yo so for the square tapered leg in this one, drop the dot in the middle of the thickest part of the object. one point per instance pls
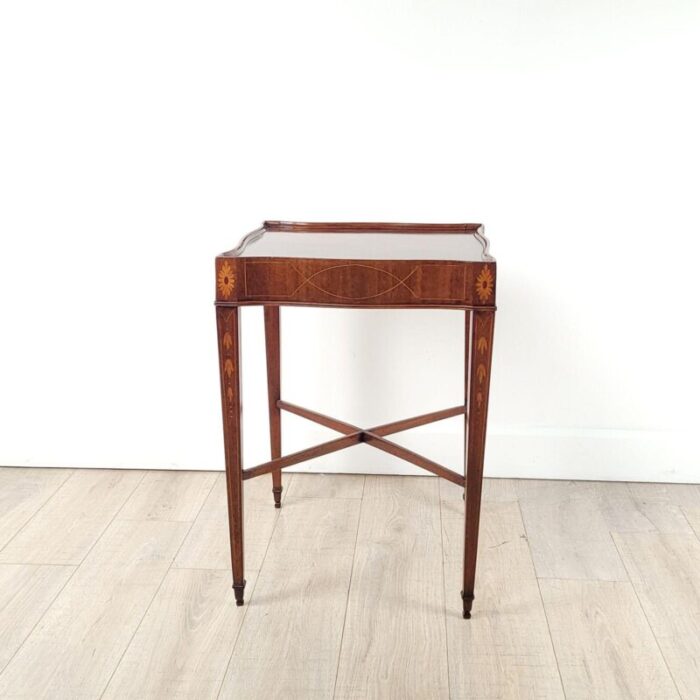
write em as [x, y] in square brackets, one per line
[478, 341]
[228, 327]
[272, 350]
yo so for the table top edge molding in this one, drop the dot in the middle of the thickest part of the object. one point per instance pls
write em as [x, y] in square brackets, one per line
[382, 228]
[401, 277]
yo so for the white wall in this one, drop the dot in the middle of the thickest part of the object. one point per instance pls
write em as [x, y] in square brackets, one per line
[139, 139]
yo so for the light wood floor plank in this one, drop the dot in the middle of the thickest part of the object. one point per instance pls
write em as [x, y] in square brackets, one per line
[604, 645]
[326, 486]
[394, 642]
[74, 649]
[65, 632]
[498, 490]
[504, 650]
[26, 591]
[693, 517]
[289, 641]
[207, 545]
[182, 647]
[684, 495]
[655, 497]
[22, 493]
[665, 572]
[626, 510]
[63, 531]
[567, 530]
[169, 495]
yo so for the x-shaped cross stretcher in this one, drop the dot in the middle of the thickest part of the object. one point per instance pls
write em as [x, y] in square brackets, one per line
[352, 435]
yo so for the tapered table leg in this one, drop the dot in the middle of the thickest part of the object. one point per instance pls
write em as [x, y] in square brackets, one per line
[228, 327]
[272, 349]
[479, 340]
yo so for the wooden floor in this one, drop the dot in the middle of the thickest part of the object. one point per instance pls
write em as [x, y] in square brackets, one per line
[116, 584]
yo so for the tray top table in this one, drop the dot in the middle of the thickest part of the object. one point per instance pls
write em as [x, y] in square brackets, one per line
[358, 265]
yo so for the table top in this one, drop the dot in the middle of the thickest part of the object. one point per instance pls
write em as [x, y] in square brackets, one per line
[365, 241]
[359, 264]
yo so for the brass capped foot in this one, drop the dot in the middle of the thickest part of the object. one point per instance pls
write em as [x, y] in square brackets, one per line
[467, 601]
[238, 589]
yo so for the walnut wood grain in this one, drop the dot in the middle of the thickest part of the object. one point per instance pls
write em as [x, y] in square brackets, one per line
[380, 430]
[349, 283]
[356, 283]
[480, 330]
[320, 418]
[424, 419]
[229, 369]
[365, 226]
[398, 451]
[272, 351]
[303, 455]
[373, 436]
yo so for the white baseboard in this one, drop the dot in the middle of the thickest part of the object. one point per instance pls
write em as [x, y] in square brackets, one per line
[605, 455]
[599, 455]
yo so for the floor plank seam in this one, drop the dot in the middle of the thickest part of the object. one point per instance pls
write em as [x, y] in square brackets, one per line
[70, 578]
[48, 607]
[347, 598]
[285, 491]
[126, 500]
[644, 612]
[40, 508]
[544, 608]
[37, 563]
[585, 580]
[685, 517]
[158, 588]
[157, 520]
[339, 498]
[444, 588]
[637, 503]
[201, 568]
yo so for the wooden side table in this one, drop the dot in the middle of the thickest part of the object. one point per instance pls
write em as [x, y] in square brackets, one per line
[359, 265]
